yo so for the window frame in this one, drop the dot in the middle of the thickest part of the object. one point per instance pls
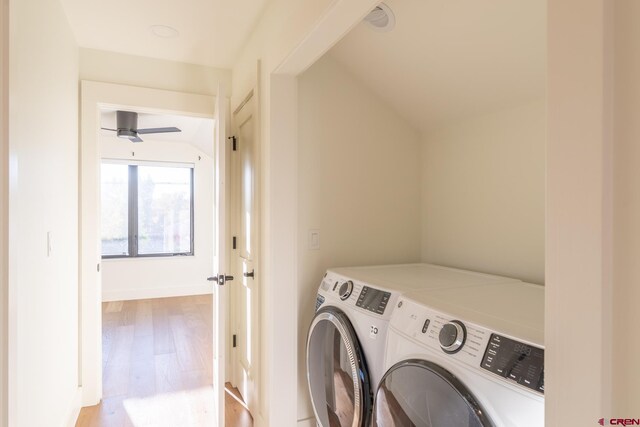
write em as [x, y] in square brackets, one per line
[133, 214]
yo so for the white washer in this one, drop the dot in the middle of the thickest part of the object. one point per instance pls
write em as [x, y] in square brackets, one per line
[465, 357]
[347, 337]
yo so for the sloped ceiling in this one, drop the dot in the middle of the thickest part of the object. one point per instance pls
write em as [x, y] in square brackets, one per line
[450, 59]
[211, 32]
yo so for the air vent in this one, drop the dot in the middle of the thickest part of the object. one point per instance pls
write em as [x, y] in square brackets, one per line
[381, 18]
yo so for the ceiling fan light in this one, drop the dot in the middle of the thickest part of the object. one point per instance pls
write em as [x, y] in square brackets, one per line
[126, 133]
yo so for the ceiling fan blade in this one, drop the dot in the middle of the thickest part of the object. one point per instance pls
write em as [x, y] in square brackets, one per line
[114, 130]
[159, 130]
[136, 139]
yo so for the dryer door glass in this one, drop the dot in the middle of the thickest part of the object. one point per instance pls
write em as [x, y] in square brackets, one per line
[421, 393]
[338, 380]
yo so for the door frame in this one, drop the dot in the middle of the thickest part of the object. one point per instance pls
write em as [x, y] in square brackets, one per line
[93, 97]
[252, 96]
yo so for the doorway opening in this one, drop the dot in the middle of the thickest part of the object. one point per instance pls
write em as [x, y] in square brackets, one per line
[153, 335]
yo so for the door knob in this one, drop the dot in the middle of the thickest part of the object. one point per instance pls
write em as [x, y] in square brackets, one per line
[220, 279]
[249, 274]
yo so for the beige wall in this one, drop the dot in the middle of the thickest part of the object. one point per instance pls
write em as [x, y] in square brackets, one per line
[359, 170]
[483, 193]
[627, 209]
[112, 67]
[44, 199]
[136, 278]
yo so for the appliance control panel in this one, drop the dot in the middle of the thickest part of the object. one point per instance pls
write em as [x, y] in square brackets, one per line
[515, 361]
[343, 290]
[373, 299]
[443, 334]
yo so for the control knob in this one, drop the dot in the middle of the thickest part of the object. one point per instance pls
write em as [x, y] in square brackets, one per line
[452, 336]
[345, 290]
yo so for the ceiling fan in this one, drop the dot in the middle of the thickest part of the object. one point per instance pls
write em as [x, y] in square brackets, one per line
[127, 127]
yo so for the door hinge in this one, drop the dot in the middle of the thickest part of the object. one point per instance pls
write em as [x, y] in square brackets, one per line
[234, 242]
[234, 340]
[234, 142]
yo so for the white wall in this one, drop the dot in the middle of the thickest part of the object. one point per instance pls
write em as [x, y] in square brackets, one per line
[112, 67]
[483, 193]
[136, 278]
[359, 185]
[43, 132]
[626, 208]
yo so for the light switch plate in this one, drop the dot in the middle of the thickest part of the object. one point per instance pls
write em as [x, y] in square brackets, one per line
[314, 240]
[49, 244]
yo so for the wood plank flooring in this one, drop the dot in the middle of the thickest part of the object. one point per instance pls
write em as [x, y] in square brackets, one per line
[157, 370]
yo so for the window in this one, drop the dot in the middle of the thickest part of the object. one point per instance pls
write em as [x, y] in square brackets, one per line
[147, 210]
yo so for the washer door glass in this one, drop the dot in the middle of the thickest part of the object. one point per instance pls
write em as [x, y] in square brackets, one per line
[338, 379]
[421, 393]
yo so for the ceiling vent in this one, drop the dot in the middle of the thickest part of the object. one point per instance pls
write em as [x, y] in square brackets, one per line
[381, 18]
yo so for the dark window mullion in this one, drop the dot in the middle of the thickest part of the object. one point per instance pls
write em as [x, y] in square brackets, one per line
[133, 211]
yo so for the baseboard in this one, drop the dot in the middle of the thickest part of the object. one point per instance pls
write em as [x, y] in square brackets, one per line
[146, 293]
[76, 405]
[307, 422]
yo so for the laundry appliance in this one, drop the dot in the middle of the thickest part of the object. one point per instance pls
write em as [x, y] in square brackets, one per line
[347, 337]
[465, 357]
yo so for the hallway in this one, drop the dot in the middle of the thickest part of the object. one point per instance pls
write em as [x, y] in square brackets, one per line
[157, 366]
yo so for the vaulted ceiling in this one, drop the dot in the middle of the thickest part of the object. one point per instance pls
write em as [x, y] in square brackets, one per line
[446, 60]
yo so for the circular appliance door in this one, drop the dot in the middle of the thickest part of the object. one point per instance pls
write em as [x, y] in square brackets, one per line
[338, 378]
[421, 393]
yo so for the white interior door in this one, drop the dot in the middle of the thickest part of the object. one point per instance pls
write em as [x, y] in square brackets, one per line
[219, 271]
[246, 298]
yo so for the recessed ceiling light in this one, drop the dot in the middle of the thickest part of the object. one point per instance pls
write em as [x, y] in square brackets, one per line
[381, 18]
[164, 31]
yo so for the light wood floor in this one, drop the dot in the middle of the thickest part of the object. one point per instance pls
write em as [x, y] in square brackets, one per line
[157, 370]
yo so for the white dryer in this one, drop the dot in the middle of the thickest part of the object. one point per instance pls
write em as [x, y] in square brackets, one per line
[347, 337]
[465, 357]
[350, 321]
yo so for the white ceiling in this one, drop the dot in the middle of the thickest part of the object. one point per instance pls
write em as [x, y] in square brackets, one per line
[212, 32]
[195, 131]
[450, 59]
